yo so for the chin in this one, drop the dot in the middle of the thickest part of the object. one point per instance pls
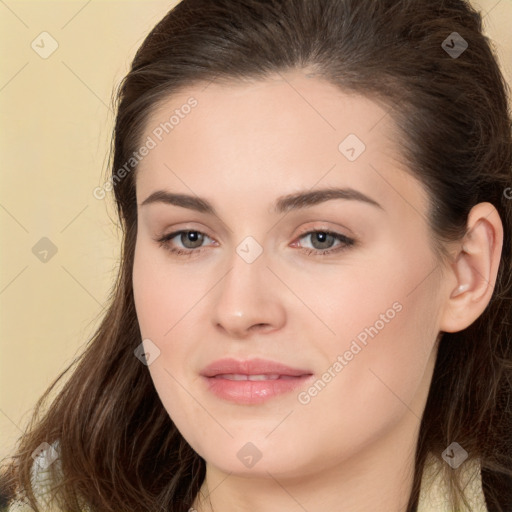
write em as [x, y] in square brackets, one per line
[253, 456]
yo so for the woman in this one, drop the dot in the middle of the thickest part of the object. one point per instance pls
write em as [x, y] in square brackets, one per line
[313, 307]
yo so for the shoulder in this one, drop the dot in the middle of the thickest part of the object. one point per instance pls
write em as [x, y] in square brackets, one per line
[435, 494]
[40, 475]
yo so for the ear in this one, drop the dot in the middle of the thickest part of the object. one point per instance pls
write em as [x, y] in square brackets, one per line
[473, 271]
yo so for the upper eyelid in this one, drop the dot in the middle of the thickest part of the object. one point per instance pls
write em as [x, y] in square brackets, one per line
[349, 233]
[302, 234]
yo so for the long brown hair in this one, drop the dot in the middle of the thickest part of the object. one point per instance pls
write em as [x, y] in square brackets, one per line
[119, 449]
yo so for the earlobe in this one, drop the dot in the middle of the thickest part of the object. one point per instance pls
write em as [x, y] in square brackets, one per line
[475, 269]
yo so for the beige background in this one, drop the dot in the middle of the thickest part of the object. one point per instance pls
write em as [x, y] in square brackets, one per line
[56, 125]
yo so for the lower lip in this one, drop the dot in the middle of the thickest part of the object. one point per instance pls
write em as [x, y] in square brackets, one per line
[253, 391]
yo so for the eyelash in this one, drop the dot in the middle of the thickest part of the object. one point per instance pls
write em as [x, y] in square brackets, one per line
[347, 242]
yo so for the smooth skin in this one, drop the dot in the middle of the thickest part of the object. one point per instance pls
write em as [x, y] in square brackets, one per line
[244, 145]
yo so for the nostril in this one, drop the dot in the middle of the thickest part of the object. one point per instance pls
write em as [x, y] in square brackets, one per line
[258, 327]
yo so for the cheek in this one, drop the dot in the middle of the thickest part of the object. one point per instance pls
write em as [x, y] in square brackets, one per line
[385, 318]
[164, 296]
[164, 303]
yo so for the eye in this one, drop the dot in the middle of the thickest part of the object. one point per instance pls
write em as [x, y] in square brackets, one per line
[192, 242]
[322, 241]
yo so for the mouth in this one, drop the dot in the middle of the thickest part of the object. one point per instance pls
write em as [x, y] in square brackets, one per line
[253, 381]
[241, 376]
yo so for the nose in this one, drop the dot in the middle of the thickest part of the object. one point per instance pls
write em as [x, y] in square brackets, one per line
[248, 299]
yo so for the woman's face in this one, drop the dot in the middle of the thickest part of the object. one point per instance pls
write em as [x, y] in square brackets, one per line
[358, 324]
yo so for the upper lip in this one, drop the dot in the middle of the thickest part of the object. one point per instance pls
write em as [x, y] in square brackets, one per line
[251, 367]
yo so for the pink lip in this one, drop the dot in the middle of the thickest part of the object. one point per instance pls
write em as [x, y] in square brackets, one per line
[247, 391]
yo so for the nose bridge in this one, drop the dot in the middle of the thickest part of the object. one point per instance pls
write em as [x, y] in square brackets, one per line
[247, 297]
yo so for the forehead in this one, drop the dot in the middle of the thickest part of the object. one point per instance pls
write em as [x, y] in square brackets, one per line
[287, 132]
[292, 106]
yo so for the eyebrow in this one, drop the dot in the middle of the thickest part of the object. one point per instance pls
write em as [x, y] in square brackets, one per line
[296, 201]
